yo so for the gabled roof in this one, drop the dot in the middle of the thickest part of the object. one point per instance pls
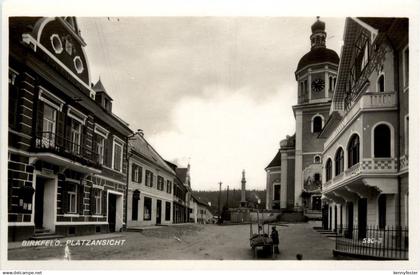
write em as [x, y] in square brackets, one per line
[141, 147]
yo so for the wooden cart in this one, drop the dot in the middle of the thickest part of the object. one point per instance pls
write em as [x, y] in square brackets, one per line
[261, 239]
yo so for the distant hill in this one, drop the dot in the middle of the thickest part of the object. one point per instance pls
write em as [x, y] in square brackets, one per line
[234, 198]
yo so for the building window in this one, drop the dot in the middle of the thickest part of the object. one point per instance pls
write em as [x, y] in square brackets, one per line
[147, 209]
[136, 173]
[277, 192]
[328, 170]
[317, 159]
[382, 211]
[317, 177]
[167, 211]
[100, 148]
[160, 183]
[382, 141]
[48, 125]
[353, 151]
[317, 122]
[405, 67]
[381, 84]
[149, 178]
[72, 197]
[135, 205]
[98, 201]
[168, 186]
[339, 161]
[117, 156]
[56, 43]
[76, 134]
[78, 64]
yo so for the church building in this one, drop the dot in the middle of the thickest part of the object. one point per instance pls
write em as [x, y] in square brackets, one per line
[294, 176]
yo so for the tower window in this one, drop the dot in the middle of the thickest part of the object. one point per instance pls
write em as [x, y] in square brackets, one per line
[317, 159]
[317, 124]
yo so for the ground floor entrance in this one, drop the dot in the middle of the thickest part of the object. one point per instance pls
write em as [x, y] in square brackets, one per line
[45, 203]
[115, 211]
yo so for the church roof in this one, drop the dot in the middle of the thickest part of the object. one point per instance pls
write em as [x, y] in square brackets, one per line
[318, 55]
[276, 160]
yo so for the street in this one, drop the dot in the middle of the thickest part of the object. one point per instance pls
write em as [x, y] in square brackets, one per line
[189, 242]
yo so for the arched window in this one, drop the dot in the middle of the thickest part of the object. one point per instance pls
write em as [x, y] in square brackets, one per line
[135, 205]
[317, 124]
[381, 83]
[328, 170]
[353, 151]
[317, 159]
[382, 141]
[382, 211]
[339, 161]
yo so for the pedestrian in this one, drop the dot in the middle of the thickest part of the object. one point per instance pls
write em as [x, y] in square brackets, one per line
[275, 237]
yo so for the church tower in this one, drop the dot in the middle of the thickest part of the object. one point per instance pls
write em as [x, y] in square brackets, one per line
[316, 77]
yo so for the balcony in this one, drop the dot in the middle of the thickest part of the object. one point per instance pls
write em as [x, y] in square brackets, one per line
[367, 102]
[63, 152]
[365, 168]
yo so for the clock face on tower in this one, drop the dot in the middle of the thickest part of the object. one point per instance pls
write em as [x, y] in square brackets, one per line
[318, 85]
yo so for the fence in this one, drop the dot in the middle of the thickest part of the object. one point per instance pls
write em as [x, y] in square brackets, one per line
[384, 243]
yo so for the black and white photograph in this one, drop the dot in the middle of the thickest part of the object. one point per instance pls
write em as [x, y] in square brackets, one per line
[208, 138]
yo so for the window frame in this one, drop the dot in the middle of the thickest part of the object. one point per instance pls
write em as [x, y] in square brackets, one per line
[328, 169]
[72, 194]
[378, 86]
[117, 142]
[98, 198]
[313, 123]
[339, 159]
[391, 140]
[353, 150]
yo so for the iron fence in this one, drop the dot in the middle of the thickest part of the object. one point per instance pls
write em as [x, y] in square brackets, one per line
[390, 242]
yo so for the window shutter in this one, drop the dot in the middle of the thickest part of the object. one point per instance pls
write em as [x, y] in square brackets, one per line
[92, 201]
[60, 128]
[133, 167]
[140, 174]
[104, 202]
[64, 198]
[83, 141]
[80, 196]
[110, 151]
[39, 118]
[67, 133]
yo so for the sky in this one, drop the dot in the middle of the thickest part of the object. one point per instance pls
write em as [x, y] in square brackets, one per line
[215, 92]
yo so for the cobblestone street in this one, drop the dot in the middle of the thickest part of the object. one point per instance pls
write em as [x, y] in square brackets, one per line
[190, 242]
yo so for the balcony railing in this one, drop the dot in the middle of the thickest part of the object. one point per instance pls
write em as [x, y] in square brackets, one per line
[390, 242]
[367, 101]
[51, 142]
[365, 166]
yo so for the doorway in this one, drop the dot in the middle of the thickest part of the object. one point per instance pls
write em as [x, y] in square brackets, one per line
[159, 212]
[112, 211]
[45, 203]
[362, 217]
[39, 204]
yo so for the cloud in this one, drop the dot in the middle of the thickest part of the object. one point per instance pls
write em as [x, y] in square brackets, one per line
[225, 133]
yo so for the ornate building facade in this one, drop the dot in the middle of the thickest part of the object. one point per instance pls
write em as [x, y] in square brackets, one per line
[67, 162]
[294, 175]
[365, 155]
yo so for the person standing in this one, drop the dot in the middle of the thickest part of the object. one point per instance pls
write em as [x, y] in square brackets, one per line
[275, 237]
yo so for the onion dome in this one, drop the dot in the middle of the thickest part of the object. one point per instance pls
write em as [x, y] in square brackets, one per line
[319, 53]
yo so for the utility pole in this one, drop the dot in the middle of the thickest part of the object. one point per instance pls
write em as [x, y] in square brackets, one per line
[220, 198]
[227, 197]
